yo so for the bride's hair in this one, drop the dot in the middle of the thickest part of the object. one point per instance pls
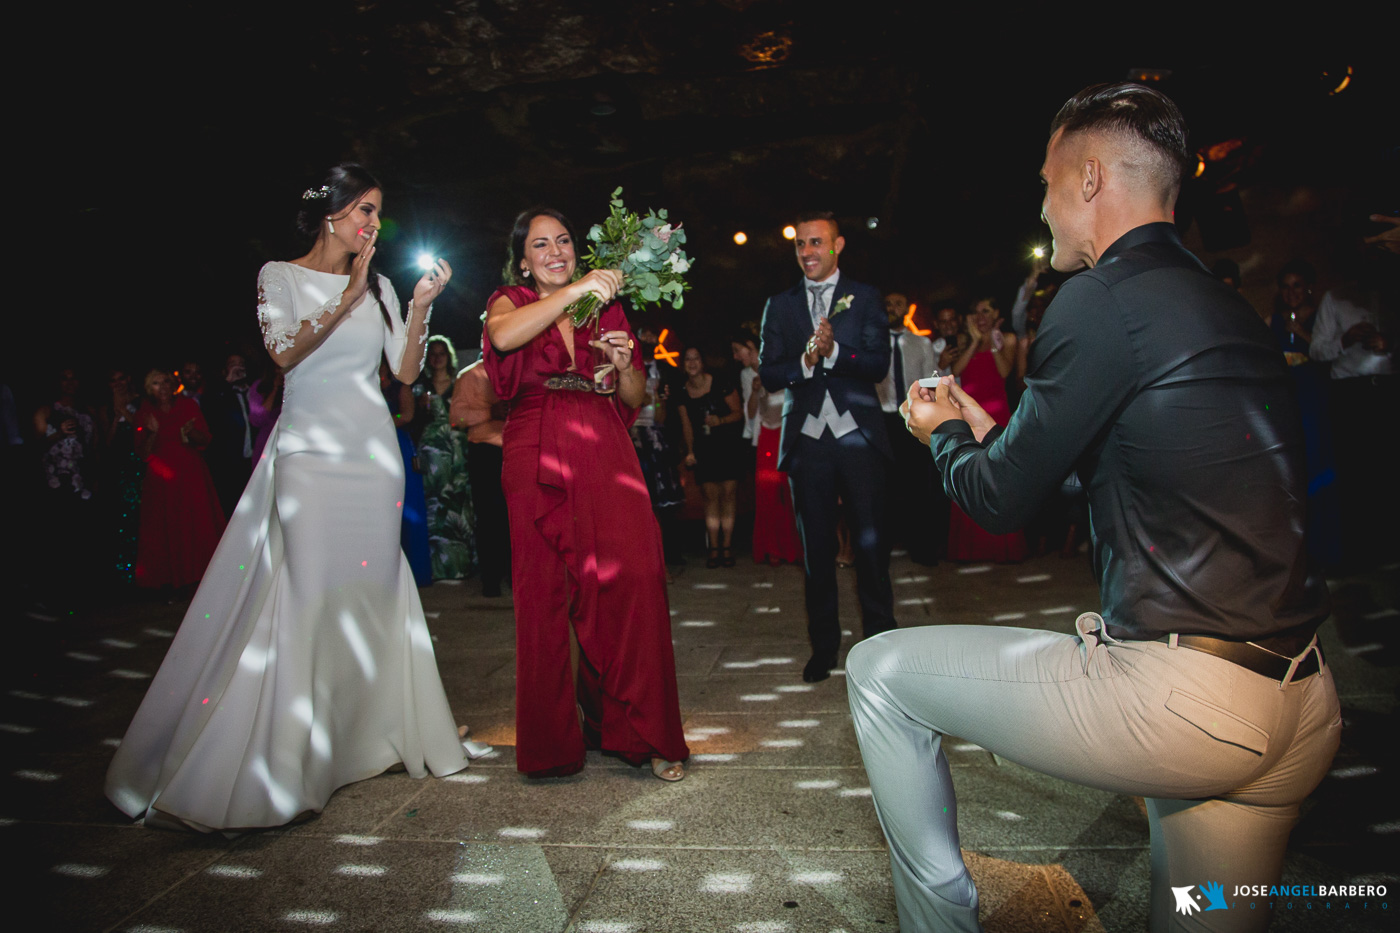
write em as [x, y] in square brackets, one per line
[338, 190]
[516, 249]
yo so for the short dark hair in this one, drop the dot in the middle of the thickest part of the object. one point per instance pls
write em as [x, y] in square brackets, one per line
[746, 333]
[807, 217]
[1133, 110]
[1299, 267]
[1226, 268]
[518, 234]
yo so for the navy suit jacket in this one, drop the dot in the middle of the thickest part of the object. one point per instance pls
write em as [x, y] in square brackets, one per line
[863, 333]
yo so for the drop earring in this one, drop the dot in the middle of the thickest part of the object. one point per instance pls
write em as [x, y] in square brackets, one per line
[525, 272]
[330, 226]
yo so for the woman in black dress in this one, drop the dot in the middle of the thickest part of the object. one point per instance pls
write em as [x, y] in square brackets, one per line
[711, 423]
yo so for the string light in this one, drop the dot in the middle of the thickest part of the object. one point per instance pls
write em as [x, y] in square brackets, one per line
[741, 238]
[789, 232]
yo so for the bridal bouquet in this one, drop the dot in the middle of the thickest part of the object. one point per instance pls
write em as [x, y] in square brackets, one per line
[649, 252]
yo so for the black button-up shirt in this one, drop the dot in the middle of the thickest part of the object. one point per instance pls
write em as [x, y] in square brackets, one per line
[1162, 389]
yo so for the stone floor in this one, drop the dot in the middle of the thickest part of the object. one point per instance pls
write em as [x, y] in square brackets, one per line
[772, 831]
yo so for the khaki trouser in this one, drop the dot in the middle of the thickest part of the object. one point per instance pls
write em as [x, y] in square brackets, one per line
[1223, 755]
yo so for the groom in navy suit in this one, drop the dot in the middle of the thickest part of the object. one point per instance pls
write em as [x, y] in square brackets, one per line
[827, 343]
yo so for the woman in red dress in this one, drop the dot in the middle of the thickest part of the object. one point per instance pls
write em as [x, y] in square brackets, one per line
[594, 663]
[775, 537]
[181, 521]
[982, 368]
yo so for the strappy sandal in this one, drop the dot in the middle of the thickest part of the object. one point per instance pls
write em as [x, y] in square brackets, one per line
[713, 560]
[726, 557]
[669, 771]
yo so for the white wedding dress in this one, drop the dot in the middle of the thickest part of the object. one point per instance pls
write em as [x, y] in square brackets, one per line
[304, 662]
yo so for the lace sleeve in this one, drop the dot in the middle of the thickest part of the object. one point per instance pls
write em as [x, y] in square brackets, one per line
[396, 330]
[423, 337]
[277, 315]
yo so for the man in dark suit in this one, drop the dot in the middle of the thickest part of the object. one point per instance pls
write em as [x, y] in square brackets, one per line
[826, 342]
[230, 452]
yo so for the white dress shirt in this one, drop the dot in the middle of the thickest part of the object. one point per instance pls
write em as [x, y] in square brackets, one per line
[920, 360]
[840, 423]
[1338, 312]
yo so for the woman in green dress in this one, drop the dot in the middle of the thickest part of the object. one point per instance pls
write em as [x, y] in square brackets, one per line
[443, 462]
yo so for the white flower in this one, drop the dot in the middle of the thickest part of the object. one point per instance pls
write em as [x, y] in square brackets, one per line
[663, 233]
[843, 304]
[678, 263]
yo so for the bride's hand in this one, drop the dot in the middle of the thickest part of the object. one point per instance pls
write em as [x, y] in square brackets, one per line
[359, 273]
[431, 284]
[604, 283]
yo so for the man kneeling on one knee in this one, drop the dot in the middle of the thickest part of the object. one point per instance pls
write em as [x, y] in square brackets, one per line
[1199, 685]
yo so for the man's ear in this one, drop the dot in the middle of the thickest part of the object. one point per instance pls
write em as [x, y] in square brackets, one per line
[1091, 178]
[838, 245]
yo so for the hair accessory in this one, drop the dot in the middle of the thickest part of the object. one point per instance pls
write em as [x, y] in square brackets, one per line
[316, 194]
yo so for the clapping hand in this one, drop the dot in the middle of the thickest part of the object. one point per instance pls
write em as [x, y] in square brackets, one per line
[972, 330]
[821, 343]
[359, 271]
[431, 284]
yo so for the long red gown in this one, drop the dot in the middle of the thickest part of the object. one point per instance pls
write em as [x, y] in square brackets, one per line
[775, 536]
[966, 539]
[181, 521]
[585, 551]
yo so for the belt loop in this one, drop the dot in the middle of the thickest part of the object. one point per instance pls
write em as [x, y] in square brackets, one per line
[1087, 625]
[1172, 640]
[1299, 659]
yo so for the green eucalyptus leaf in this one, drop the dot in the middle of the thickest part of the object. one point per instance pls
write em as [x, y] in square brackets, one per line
[617, 193]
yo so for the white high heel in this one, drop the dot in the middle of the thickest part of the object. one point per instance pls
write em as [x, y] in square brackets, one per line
[474, 750]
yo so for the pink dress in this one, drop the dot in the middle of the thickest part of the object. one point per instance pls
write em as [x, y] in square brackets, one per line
[966, 539]
[586, 554]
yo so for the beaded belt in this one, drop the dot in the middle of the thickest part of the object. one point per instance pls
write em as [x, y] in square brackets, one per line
[572, 381]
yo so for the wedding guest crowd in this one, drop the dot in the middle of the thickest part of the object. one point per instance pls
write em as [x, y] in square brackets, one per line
[110, 463]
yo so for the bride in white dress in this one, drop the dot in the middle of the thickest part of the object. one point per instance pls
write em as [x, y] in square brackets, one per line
[304, 662]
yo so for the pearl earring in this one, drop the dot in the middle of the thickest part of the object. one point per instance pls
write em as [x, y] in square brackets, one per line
[525, 272]
[330, 225]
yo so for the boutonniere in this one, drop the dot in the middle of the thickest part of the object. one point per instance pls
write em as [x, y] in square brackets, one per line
[842, 305]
